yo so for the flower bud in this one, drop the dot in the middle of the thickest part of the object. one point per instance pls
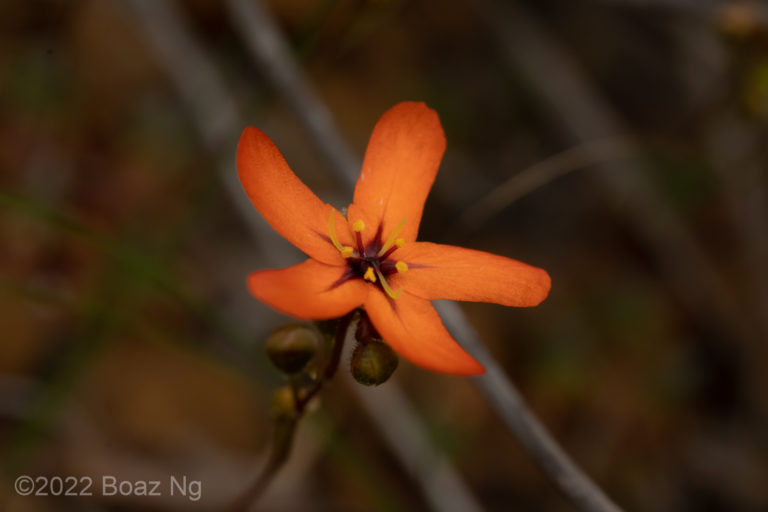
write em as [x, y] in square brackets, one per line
[291, 347]
[373, 362]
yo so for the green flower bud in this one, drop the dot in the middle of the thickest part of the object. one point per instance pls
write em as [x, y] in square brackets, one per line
[291, 347]
[373, 362]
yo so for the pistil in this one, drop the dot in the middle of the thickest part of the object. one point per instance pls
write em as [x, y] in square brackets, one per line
[398, 244]
[358, 227]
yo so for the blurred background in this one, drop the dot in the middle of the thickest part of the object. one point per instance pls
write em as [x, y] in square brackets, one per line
[619, 144]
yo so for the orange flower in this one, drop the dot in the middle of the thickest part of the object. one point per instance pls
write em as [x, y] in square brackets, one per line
[371, 258]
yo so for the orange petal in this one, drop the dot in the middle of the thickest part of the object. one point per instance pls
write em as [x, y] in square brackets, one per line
[400, 165]
[289, 206]
[309, 290]
[412, 327]
[438, 271]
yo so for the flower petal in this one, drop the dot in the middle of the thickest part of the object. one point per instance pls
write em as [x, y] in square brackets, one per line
[400, 165]
[289, 206]
[437, 271]
[309, 290]
[412, 327]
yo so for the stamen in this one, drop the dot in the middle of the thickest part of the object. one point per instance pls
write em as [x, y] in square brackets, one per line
[332, 229]
[358, 226]
[401, 267]
[345, 250]
[399, 242]
[385, 285]
[370, 275]
[391, 239]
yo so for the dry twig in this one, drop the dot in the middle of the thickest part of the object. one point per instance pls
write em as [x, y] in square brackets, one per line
[542, 173]
[583, 116]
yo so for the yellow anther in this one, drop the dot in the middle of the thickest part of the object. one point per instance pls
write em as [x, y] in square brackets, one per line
[332, 230]
[400, 242]
[401, 266]
[347, 251]
[384, 284]
[370, 275]
[391, 240]
[358, 226]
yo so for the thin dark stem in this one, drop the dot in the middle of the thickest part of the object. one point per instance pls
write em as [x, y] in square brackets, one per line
[282, 442]
[599, 151]
[338, 345]
[285, 425]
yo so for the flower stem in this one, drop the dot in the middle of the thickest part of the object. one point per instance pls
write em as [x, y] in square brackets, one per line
[338, 344]
[285, 425]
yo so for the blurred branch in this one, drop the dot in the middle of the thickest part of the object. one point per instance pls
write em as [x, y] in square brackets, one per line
[736, 148]
[544, 450]
[215, 114]
[751, 10]
[583, 116]
[542, 173]
[508, 402]
[273, 57]
[182, 58]
[440, 481]
[192, 73]
[733, 141]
